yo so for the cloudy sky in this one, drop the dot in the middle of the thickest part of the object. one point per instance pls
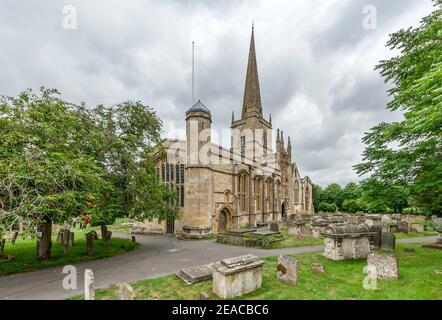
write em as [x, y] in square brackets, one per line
[315, 62]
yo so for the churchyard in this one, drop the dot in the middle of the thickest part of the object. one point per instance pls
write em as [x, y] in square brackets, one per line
[420, 277]
[359, 261]
[22, 252]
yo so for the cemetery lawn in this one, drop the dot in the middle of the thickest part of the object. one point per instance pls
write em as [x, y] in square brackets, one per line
[415, 234]
[24, 251]
[342, 280]
[293, 242]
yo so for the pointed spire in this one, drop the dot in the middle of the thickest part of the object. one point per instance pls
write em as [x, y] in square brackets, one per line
[282, 138]
[270, 119]
[277, 135]
[289, 143]
[252, 95]
[233, 116]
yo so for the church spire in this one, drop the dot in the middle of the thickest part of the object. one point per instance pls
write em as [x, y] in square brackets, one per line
[252, 95]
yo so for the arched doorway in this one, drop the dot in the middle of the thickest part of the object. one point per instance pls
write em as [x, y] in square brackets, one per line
[224, 220]
[284, 210]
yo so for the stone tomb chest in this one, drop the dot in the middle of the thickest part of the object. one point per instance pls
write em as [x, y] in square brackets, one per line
[234, 277]
[298, 228]
[347, 241]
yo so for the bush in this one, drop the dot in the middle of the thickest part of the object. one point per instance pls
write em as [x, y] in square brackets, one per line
[327, 207]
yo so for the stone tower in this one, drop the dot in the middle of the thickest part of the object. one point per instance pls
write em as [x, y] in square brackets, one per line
[198, 176]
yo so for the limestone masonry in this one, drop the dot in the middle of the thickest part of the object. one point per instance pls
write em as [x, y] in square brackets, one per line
[223, 189]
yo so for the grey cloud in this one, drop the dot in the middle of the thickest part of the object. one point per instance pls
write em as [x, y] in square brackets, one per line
[315, 63]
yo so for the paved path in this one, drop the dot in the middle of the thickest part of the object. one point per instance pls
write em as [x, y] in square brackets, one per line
[156, 256]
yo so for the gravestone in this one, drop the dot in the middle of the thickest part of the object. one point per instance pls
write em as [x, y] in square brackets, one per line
[134, 239]
[274, 226]
[195, 274]
[377, 235]
[402, 226]
[60, 237]
[14, 237]
[409, 250]
[417, 227]
[2, 246]
[94, 234]
[90, 243]
[71, 239]
[382, 266]
[316, 267]
[89, 290]
[287, 269]
[126, 292]
[388, 241]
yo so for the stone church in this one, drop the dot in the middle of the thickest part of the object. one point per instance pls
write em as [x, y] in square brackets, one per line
[248, 184]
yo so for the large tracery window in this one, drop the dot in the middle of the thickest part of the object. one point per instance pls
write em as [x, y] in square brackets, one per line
[296, 192]
[268, 195]
[278, 195]
[242, 190]
[258, 193]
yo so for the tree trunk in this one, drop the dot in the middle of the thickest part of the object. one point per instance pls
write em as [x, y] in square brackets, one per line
[44, 242]
[104, 233]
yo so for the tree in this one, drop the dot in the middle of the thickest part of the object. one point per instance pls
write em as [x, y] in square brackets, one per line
[316, 198]
[59, 160]
[45, 176]
[408, 152]
[333, 194]
[131, 138]
[380, 195]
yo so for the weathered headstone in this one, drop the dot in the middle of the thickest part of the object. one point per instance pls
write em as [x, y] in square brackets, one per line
[60, 237]
[195, 274]
[382, 266]
[104, 237]
[134, 239]
[402, 226]
[71, 239]
[274, 226]
[95, 234]
[14, 237]
[417, 227]
[409, 250]
[108, 235]
[90, 243]
[377, 235]
[126, 292]
[2, 246]
[316, 267]
[89, 290]
[287, 269]
[388, 241]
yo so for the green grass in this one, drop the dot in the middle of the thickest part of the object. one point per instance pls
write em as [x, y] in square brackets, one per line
[24, 251]
[415, 234]
[293, 242]
[342, 280]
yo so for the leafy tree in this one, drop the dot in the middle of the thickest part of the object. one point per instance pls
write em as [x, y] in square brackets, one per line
[333, 194]
[354, 205]
[316, 198]
[379, 194]
[408, 152]
[45, 175]
[59, 160]
[327, 207]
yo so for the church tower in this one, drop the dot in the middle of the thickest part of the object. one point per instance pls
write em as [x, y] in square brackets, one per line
[252, 134]
[197, 217]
